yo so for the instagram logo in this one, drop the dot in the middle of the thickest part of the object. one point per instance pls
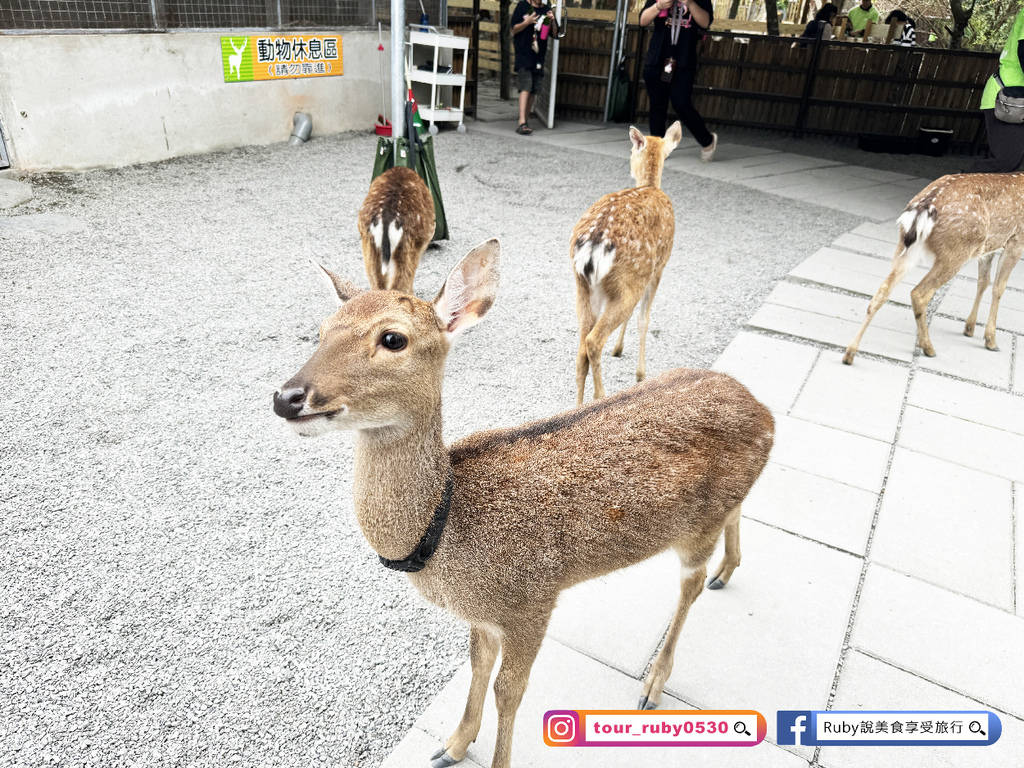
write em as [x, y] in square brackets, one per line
[560, 728]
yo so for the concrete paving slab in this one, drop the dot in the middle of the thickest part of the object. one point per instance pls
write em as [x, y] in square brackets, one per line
[841, 306]
[960, 299]
[830, 453]
[880, 249]
[1016, 281]
[768, 618]
[886, 231]
[774, 370]
[564, 679]
[865, 399]
[14, 193]
[724, 153]
[879, 176]
[965, 357]
[42, 223]
[993, 451]
[620, 619]
[587, 139]
[758, 166]
[417, 747]
[831, 330]
[1018, 365]
[949, 526]
[952, 640]
[879, 203]
[813, 181]
[967, 401]
[1018, 495]
[854, 272]
[824, 510]
[867, 683]
[911, 186]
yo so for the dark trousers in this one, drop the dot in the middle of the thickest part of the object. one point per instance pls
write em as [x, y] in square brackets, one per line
[1006, 145]
[680, 93]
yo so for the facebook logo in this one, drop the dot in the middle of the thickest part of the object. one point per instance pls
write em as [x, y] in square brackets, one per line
[790, 727]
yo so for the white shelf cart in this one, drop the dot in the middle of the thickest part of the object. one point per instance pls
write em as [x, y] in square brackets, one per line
[444, 82]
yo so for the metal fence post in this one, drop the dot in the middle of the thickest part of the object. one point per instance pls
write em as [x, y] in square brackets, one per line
[159, 12]
[812, 71]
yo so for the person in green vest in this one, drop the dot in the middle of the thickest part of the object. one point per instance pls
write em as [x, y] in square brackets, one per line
[859, 17]
[1005, 140]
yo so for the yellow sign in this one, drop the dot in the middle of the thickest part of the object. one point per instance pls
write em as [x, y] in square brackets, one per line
[279, 57]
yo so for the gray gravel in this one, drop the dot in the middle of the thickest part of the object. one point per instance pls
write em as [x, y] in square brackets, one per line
[182, 581]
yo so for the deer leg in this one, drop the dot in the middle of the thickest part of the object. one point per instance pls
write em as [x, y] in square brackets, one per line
[984, 277]
[643, 321]
[483, 650]
[585, 316]
[692, 584]
[614, 315]
[617, 352]
[731, 559]
[519, 647]
[900, 263]
[1011, 255]
[941, 273]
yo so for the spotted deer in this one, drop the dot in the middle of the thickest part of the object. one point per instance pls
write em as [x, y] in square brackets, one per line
[396, 224]
[951, 221]
[618, 250]
[500, 522]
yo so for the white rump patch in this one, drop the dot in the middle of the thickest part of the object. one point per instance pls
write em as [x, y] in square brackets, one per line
[919, 253]
[394, 235]
[377, 232]
[600, 256]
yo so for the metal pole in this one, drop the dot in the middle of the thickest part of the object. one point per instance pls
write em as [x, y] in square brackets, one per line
[397, 72]
[614, 61]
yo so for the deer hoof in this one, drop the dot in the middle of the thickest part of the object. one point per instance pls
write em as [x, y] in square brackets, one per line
[993, 347]
[645, 703]
[848, 358]
[968, 330]
[715, 583]
[441, 759]
[928, 351]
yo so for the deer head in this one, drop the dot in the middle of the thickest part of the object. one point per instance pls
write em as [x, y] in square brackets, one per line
[380, 360]
[647, 157]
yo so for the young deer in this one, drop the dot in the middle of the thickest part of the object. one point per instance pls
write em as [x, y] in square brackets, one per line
[618, 250]
[953, 220]
[396, 224]
[514, 516]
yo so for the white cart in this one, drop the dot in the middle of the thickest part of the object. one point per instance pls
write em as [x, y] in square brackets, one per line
[442, 80]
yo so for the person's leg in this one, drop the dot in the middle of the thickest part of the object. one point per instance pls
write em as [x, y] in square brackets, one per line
[1006, 145]
[657, 94]
[525, 82]
[682, 103]
[538, 78]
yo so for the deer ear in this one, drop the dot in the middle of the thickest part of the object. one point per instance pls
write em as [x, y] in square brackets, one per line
[672, 138]
[339, 287]
[638, 139]
[470, 289]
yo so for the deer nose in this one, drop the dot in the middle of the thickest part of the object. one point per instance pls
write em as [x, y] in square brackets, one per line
[289, 404]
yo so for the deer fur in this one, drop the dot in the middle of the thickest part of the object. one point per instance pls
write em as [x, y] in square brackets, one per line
[536, 508]
[618, 251]
[951, 221]
[396, 224]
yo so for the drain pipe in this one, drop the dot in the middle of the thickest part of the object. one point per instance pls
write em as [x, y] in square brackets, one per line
[303, 127]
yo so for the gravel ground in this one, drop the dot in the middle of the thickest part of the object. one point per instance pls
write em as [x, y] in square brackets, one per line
[182, 580]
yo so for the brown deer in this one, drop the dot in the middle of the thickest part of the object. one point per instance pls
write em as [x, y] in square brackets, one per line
[952, 220]
[502, 521]
[396, 224]
[618, 250]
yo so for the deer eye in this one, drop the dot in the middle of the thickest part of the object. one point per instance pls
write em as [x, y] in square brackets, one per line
[393, 341]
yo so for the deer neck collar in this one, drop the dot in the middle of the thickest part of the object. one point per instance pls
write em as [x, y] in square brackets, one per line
[400, 476]
[417, 561]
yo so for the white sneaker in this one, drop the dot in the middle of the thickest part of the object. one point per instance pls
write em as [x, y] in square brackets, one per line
[706, 155]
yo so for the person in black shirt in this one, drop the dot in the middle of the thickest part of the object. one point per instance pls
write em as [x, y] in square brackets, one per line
[532, 23]
[671, 65]
[821, 25]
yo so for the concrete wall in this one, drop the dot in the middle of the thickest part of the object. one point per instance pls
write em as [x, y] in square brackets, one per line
[90, 100]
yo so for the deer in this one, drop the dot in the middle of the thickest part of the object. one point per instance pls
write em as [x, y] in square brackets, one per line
[396, 224]
[618, 250]
[235, 60]
[494, 526]
[951, 221]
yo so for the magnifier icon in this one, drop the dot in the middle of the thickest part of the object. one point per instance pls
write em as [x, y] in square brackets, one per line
[740, 727]
[975, 727]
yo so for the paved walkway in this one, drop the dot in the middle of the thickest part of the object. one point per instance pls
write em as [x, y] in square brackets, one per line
[882, 557]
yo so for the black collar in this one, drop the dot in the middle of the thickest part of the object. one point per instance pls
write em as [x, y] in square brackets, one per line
[417, 561]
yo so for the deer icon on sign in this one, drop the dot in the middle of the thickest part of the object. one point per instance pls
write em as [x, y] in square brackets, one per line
[235, 61]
